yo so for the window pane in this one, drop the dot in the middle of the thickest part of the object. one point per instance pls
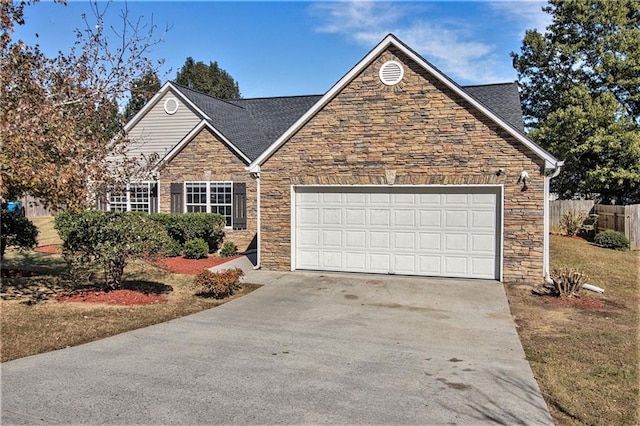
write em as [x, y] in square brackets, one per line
[196, 197]
[220, 198]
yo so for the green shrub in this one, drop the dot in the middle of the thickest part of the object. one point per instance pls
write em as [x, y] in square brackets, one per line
[611, 239]
[173, 248]
[196, 248]
[108, 239]
[183, 227]
[228, 249]
[567, 282]
[219, 284]
[17, 231]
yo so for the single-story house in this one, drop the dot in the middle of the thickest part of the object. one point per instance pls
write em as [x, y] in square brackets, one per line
[395, 170]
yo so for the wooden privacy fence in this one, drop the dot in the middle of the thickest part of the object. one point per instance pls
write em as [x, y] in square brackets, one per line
[625, 219]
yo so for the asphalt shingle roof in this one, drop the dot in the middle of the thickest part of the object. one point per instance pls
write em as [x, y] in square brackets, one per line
[252, 125]
[503, 99]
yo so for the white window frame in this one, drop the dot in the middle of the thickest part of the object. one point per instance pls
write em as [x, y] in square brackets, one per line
[127, 202]
[209, 205]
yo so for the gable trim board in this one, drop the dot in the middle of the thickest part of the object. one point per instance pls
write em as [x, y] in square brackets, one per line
[422, 230]
[390, 40]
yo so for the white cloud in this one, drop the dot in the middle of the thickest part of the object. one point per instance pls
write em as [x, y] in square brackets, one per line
[450, 44]
[528, 15]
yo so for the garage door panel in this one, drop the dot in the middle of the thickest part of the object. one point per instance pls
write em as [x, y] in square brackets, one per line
[447, 231]
[483, 219]
[404, 218]
[309, 216]
[483, 243]
[404, 264]
[308, 259]
[356, 239]
[430, 241]
[455, 219]
[356, 261]
[430, 219]
[332, 259]
[482, 267]
[332, 238]
[309, 238]
[380, 217]
[404, 240]
[331, 216]
[455, 242]
[380, 240]
[430, 265]
[456, 266]
[356, 217]
[380, 262]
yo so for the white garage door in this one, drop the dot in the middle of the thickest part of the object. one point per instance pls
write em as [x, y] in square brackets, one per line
[443, 231]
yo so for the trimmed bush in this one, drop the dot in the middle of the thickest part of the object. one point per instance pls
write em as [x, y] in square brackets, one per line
[173, 248]
[108, 239]
[567, 282]
[219, 284]
[16, 231]
[196, 249]
[611, 239]
[228, 249]
[183, 227]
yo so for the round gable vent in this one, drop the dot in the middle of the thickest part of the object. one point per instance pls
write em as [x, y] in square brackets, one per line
[171, 106]
[391, 73]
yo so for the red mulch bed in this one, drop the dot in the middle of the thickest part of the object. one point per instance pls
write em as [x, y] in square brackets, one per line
[583, 301]
[180, 265]
[115, 297]
[17, 273]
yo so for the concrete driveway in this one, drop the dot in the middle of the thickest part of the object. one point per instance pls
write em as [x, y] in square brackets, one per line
[306, 348]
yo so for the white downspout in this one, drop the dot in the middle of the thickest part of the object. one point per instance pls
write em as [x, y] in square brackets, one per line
[547, 224]
[258, 230]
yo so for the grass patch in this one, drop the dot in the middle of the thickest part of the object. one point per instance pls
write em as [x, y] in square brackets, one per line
[48, 235]
[585, 360]
[32, 322]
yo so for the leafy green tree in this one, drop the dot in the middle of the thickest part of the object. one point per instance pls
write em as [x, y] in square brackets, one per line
[142, 89]
[580, 83]
[210, 79]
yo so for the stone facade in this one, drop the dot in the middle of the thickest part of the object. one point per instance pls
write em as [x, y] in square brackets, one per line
[425, 133]
[207, 158]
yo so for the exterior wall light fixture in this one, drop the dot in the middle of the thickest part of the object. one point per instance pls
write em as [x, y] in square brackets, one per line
[524, 179]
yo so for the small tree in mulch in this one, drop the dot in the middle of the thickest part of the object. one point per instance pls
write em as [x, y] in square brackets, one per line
[110, 240]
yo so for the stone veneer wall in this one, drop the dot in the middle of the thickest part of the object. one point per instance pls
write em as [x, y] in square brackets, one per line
[424, 132]
[206, 158]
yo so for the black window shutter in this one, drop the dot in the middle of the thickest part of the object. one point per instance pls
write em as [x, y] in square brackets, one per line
[153, 197]
[239, 206]
[176, 197]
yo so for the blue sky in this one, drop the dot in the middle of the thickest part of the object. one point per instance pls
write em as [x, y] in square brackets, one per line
[301, 48]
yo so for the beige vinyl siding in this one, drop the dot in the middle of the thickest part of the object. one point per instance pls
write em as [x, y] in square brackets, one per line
[158, 131]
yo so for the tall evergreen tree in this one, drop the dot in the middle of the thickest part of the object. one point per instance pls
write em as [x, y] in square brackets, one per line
[142, 89]
[210, 79]
[580, 83]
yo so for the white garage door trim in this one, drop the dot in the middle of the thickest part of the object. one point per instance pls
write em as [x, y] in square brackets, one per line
[405, 190]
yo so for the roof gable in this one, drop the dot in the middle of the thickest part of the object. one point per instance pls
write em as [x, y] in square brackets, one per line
[470, 96]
